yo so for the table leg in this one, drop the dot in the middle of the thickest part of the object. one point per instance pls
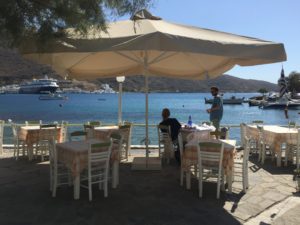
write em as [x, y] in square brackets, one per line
[188, 179]
[229, 178]
[115, 174]
[30, 151]
[77, 182]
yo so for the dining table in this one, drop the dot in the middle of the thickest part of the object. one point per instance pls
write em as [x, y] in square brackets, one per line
[190, 159]
[275, 136]
[74, 155]
[196, 132]
[32, 134]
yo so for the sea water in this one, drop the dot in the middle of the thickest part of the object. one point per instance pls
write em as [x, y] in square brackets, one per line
[80, 108]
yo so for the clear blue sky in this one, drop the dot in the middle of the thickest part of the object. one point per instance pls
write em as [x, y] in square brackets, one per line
[273, 20]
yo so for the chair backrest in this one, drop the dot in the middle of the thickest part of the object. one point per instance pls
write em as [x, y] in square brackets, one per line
[78, 135]
[117, 139]
[33, 122]
[257, 122]
[261, 133]
[292, 124]
[1, 135]
[164, 133]
[243, 133]
[210, 155]
[1, 129]
[64, 131]
[246, 150]
[180, 144]
[216, 134]
[126, 132]
[99, 153]
[207, 123]
[15, 130]
[48, 132]
[94, 123]
[52, 152]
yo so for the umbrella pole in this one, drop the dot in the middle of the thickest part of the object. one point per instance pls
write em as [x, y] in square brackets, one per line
[147, 119]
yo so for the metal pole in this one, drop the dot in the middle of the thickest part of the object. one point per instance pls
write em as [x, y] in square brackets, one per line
[120, 103]
[146, 104]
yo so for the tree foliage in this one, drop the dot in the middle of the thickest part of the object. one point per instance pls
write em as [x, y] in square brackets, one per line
[294, 82]
[46, 19]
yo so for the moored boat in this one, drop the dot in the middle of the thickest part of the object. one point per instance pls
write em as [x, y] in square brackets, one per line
[281, 104]
[39, 86]
[52, 96]
[233, 100]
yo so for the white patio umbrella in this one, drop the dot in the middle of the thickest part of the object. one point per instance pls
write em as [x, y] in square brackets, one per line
[150, 46]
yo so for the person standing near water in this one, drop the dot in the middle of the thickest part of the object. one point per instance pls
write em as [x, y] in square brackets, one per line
[216, 110]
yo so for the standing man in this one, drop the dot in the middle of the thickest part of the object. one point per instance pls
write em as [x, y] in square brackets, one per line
[216, 110]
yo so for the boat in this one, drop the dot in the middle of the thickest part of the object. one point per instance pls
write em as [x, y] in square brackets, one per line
[38, 86]
[52, 96]
[233, 100]
[281, 104]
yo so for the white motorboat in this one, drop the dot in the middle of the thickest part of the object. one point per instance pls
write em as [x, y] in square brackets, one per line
[281, 104]
[52, 96]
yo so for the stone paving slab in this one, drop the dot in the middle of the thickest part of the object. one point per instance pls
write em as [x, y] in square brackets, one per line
[144, 198]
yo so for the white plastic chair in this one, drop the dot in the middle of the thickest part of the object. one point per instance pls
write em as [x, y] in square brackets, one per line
[59, 173]
[165, 142]
[241, 164]
[210, 156]
[1, 136]
[18, 144]
[98, 167]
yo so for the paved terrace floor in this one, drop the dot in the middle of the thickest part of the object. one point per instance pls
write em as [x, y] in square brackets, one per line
[146, 197]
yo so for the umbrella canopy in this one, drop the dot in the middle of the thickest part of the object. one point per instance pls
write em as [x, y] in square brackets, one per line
[170, 50]
[150, 46]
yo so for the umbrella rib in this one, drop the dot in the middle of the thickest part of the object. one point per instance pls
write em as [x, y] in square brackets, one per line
[80, 60]
[129, 57]
[161, 57]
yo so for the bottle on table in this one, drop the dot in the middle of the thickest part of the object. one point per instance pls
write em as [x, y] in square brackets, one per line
[190, 123]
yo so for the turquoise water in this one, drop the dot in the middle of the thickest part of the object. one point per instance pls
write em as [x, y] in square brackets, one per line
[80, 108]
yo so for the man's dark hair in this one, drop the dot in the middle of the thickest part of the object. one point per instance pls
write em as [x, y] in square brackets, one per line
[166, 113]
[214, 88]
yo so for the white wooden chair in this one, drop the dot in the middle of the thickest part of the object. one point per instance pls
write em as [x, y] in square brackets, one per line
[293, 151]
[165, 142]
[98, 167]
[210, 164]
[64, 131]
[1, 136]
[262, 146]
[126, 130]
[18, 144]
[59, 173]
[241, 164]
[46, 134]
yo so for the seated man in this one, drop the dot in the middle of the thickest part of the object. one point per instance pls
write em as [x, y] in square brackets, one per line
[175, 126]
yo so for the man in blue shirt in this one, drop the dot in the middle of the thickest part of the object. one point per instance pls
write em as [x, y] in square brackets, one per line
[216, 110]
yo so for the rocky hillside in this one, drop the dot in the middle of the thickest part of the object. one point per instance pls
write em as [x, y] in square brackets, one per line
[14, 69]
